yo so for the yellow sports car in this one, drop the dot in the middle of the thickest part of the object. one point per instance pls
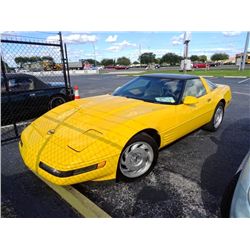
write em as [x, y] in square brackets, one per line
[119, 135]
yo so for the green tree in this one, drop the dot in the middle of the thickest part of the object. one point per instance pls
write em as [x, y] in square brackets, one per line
[203, 58]
[123, 61]
[194, 58]
[219, 57]
[157, 60]
[136, 62]
[33, 59]
[21, 60]
[171, 58]
[147, 58]
[91, 61]
[107, 61]
[47, 58]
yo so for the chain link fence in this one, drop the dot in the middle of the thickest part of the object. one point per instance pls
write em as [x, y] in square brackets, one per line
[34, 79]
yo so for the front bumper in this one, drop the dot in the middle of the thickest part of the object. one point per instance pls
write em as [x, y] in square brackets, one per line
[31, 156]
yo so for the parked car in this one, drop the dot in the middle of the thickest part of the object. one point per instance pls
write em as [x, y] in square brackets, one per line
[109, 67]
[236, 199]
[118, 136]
[121, 67]
[200, 65]
[214, 64]
[25, 97]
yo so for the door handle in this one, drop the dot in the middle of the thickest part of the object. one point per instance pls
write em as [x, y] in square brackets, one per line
[209, 100]
[33, 94]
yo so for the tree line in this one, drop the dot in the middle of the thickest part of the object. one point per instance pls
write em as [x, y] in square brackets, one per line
[145, 58]
[169, 58]
[21, 60]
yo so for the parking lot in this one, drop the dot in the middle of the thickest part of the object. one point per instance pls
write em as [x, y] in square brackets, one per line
[188, 180]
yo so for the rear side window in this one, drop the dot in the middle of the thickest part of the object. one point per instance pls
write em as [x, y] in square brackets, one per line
[211, 85]
[194, 87]
[21, 84]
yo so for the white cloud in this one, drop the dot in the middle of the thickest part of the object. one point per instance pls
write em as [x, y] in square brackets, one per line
[231, 33]
[157, 52]
[119, 46]
[75, 38]
[111, 39]
[177, 40]
[212, 50]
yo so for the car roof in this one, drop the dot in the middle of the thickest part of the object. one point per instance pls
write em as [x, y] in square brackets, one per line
[173, 76]
[9, 75]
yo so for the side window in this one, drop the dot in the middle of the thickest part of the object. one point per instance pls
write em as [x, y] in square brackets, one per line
[194, 87]
[21, 84]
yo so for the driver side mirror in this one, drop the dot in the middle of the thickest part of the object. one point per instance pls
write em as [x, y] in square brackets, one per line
[190, 100]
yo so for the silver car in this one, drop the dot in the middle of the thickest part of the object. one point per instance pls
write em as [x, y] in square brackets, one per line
[236, 199]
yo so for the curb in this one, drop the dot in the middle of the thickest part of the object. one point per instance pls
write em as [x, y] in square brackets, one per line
[77, 200]
[235, 76]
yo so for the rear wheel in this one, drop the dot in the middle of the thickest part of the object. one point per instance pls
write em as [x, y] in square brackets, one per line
[137, 158]
[217, 118]
[56, 101]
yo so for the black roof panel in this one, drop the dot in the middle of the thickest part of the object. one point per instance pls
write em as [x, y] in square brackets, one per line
[173, 76]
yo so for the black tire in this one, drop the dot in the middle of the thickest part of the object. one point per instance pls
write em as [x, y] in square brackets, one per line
[211, 125]
[228, 196]
[56, 101]
[142, 137]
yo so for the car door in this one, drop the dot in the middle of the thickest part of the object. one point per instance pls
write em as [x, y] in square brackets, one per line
[191, 117]
[6, 113]
[22, 97]
[40, 96]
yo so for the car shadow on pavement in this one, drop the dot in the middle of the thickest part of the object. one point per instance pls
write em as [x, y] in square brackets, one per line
[219, 168]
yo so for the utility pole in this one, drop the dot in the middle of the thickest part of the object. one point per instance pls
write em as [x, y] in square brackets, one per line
[186, 42]
[140, 53]
[243, 62]
[94, 53]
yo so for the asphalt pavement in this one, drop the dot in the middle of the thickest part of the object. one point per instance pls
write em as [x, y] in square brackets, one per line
[188, 180]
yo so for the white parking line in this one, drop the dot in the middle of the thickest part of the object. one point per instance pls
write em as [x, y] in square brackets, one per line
[244, 80]
[240, 93]
[77, 200]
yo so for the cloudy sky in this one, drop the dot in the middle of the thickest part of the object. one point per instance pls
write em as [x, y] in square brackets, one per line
[82, 45]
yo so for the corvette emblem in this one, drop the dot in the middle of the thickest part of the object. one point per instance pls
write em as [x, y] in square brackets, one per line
[51, 132]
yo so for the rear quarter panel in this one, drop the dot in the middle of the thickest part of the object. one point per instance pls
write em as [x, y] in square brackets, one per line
[222, 92]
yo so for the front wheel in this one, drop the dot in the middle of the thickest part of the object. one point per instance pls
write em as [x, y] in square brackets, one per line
[137, 158]
[217, 118]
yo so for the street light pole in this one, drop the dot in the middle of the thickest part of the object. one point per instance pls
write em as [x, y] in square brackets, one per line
[243, 62]
[186, 42]
[94, 53]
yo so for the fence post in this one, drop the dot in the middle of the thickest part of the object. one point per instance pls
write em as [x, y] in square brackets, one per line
[63, 64]
[67, 63]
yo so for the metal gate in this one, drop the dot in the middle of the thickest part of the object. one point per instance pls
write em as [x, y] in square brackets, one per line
[34, 78]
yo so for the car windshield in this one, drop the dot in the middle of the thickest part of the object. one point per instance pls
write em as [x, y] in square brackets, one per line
[152, 89]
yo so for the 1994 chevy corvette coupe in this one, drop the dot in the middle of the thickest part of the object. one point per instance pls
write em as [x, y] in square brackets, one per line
[118, 135]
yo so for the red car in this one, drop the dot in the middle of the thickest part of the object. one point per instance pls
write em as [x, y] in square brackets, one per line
[200, 65]
[121, 67]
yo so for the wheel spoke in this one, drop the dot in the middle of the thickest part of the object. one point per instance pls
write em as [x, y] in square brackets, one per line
[136, 159]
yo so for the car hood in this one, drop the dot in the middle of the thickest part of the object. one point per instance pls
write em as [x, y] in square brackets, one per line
[79, 123]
